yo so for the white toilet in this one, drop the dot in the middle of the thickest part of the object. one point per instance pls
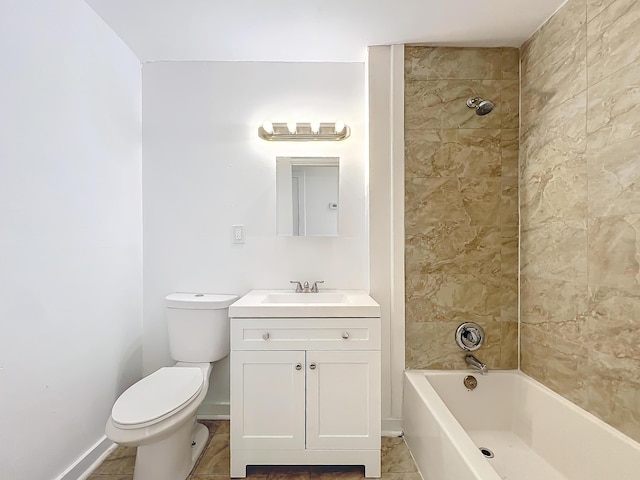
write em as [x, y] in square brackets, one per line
[158, 414]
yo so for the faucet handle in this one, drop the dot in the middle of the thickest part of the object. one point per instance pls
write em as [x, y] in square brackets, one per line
[298, 285]
[314, 288]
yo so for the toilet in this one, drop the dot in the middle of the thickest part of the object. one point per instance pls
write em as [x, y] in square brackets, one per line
[158, 413]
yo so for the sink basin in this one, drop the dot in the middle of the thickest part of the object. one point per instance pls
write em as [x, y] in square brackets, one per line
[287, 304]
[305, 298]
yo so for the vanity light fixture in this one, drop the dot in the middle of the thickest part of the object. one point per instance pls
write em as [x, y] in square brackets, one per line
[268, 127]
[304, 131]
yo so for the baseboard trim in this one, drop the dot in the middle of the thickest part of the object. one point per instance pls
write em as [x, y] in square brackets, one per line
[391, 427]
[84, 466]
[214, 411]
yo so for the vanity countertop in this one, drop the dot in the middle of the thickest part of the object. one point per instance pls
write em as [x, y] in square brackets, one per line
[287, 304]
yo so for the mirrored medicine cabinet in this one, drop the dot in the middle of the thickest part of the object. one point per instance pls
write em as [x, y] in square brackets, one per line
[307, 196]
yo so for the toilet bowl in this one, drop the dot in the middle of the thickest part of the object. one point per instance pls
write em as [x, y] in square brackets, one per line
[158, 413]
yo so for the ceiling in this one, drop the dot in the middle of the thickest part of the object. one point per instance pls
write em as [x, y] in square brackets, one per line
[313, 31]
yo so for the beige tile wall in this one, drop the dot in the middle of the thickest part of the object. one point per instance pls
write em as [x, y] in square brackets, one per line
[580, 208]
[461, 204]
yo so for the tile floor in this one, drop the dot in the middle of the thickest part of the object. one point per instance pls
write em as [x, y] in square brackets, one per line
[213, 464]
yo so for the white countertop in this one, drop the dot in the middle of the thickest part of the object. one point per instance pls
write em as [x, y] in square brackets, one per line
[287, 304]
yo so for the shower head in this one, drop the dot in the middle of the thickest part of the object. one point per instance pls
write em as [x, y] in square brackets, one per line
[482, 106]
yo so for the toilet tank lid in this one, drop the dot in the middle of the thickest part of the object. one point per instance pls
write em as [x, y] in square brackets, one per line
[200, 301]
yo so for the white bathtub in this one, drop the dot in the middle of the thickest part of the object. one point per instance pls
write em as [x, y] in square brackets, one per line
[534, 433]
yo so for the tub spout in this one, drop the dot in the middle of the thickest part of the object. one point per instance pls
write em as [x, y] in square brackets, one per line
[473, 362]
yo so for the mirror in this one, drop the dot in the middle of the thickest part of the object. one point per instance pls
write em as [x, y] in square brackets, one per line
[307, 196]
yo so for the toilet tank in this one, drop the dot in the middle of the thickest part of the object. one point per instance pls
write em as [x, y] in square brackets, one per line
[198, 326]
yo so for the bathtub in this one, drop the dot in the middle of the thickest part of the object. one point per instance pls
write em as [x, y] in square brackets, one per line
[533, 433]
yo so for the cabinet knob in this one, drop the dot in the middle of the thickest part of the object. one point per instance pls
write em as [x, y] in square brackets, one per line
[345, 335]
[265, 336]
[312, 366]
[298, 366]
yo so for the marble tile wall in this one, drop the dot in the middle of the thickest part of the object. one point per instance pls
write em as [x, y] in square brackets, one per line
[461, 204]
[580, 208]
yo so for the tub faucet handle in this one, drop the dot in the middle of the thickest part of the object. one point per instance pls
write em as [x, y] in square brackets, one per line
[471, 336]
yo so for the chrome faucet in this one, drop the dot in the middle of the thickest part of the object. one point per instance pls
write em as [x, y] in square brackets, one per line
[473, 362]
[305, 288]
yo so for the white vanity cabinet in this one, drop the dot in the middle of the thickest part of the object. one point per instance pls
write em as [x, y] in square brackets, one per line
[305, 391]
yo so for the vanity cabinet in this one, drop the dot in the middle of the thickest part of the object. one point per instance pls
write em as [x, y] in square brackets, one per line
[305, 391]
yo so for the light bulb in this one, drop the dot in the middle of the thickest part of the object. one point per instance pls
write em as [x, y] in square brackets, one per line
[292, 127]
[315, 127]
[268, 127]
[340, 126]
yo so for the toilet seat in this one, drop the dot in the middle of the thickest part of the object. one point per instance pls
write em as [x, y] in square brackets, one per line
[157, 397]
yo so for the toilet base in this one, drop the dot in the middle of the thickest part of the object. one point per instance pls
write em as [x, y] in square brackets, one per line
[173, 457]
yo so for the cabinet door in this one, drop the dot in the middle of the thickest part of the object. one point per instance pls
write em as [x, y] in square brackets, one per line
[343, 400]
[267, 399]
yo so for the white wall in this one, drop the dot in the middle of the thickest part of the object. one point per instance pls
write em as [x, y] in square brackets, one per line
[205, 169]
[70, 236]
